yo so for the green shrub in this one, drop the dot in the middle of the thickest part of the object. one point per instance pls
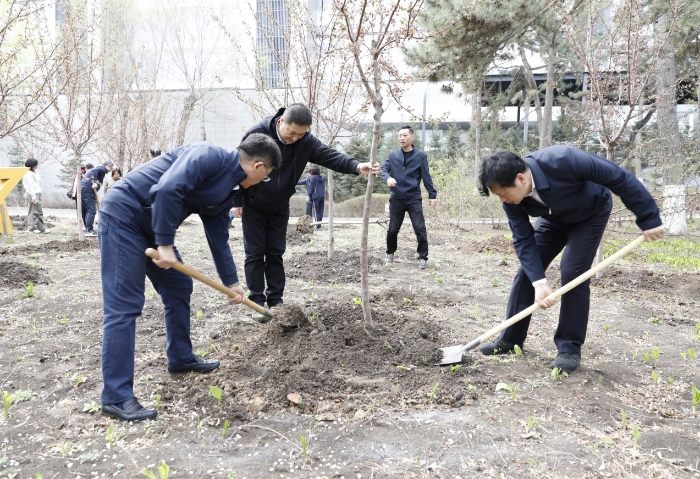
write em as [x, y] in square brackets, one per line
[352, 208]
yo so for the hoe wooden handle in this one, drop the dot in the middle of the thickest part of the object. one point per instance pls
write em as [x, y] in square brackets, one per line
[151, 253]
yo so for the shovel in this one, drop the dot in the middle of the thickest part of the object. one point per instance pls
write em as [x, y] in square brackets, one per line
[453, 354]
[151, 253]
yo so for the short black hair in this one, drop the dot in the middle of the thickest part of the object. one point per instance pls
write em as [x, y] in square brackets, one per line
[502, 168]
[89, 166]
[31, 162]
[154, 152]
[315, 170]
[298, 114]
[117, 170]
[107, 163]
[261, 147]
[407, 127]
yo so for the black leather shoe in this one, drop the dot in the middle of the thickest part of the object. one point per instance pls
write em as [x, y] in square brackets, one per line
[131, 411]
[567, 362]
[198, 365]
[498, 346]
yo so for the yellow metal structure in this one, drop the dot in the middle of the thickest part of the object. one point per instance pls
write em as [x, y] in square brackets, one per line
[9, 178]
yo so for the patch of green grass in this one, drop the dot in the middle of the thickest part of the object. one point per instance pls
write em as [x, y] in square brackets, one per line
[682, 254]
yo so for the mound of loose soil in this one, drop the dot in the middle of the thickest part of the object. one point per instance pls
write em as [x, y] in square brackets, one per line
[304, 225]
[290, 315]
[14, 274]
[53, 246]
[495, 244]
[315, 266]
[295, 238]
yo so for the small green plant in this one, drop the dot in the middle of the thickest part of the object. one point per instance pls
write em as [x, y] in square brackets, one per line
[696, 396]
[624, 419]
[697, 331]
[29, 290]
[691, 354]
[406, 300]
[557, 374]
[655, 376]
[217, 393]
[634, 354]
[471, 389]
[304, 450]
[78, 379]
[313, 317]
[669, 381]
[438, 279]
[654, 320]
[607, 328]
[434, 391]
[511, 388]
[313, 296]
[158, 398]
[226, 425]
[357, 301]
[153, 293]
[163, 471]
[635, 436]
[532, 423]
[199, 315]
[63, 320]
[518, 350]
[494, 283]
[91, 406]
[655, 354]
[455, 368]
[684, 356]
[646, 357]
[113, 440]
[21, 396]
[6, 403]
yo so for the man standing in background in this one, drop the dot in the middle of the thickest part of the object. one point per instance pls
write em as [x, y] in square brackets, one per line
[403, 171]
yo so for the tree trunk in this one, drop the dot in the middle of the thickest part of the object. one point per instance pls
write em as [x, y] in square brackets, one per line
[546, 131]
[669, 138]
[527, 71]
[185, 118]
[78, 203]
[202, 121]
[476, 122]
[364, 263]
[331, 238]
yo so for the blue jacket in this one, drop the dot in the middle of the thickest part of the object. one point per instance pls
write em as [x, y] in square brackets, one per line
[96, 174]
[574, 185]
[409, 175]
[315, 187]
[197, 178]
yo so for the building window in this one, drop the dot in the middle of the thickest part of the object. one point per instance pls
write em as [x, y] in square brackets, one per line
[273, 27]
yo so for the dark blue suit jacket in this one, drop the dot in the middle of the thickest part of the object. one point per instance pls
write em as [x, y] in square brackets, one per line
[193, 179]
[408, 174]
[574, 185]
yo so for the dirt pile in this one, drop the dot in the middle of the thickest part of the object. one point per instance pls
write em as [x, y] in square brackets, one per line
[14, 274]
[53, 246]
[304, 225]
[495, 244]
[295, 238]
[289, 315]
[315, 266]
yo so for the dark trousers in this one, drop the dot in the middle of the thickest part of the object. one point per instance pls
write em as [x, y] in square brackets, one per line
[581, 241]
[87, 196]
[318, 210]
[124, 271]
[397, 211]
[265, 241]
[309, 206]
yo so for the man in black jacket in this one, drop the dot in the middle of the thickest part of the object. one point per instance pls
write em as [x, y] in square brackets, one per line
[403, 171]
[266, 205]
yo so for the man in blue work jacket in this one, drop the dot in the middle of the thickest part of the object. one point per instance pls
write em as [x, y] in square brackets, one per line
[569, 190]
[315, 194]
[89, 186]
[264, 208]
[144, 210]
[403, 171]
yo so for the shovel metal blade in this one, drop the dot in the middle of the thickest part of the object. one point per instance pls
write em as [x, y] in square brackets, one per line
[453, 354]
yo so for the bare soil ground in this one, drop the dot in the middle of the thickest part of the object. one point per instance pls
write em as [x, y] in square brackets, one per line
[367, 401]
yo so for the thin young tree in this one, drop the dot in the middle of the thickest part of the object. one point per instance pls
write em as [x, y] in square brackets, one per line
[372, 28]
[311, 66]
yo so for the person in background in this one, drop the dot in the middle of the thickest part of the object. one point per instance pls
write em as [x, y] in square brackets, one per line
[32, 187]
[315, 194]
[403, 171]
[112, 179]
[154, 152]
[309, 204]
[89, 187]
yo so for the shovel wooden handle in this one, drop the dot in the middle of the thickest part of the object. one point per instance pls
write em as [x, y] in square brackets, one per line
[560, 292]
[151, 253]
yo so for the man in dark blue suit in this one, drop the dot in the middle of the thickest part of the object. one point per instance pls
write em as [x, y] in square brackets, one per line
[144, 210]
[569, 190]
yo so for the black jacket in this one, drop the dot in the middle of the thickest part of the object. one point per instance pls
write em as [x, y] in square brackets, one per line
[274, 195]
[408, 171]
